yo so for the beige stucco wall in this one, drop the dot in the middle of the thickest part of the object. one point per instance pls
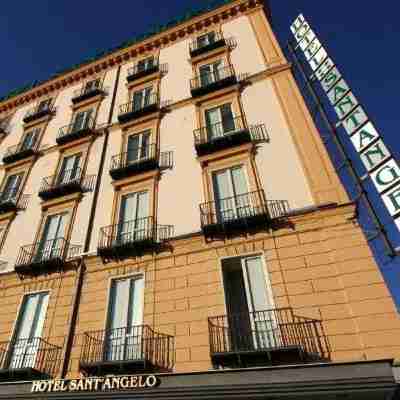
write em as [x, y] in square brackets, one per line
[180, 190]
[175, 85]
[247, 56]
[278, 162]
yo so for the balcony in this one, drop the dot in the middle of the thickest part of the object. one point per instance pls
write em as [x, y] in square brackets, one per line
[211, 81]
[270, 337]
[140, 70]
[137, 349]
[224, 135]
[87, 92]
[134, 110]
[47, 255]
[124, 165]
[72, 132]
[12, 201]
[21, 151]
[241, 213]
[38, 112]
[27, 359]
[133, 238]
[65, 183]
[196, 48]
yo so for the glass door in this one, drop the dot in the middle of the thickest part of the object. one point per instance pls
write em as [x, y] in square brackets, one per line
[231, 195]
[69, 171]
[146, 64]
[219, 121]
[11, 188]
[82, 120]
[29, 139]
[210, 73]
[124, 337]
[138, 147]
[52, 243]
[141, 98]
[250, 319]
[134, 223]
[29, 327]
[205, 40]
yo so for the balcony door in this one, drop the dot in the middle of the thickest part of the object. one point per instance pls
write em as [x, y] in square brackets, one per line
[134, 224]
[82, 120]
[219, 121]
[205, 40]
[52, 244]
[69, 171]
[44, 105]
[124, 336]
[138, 147]
[11, 188]
[141, 98]
[250, 319]
[25, 344]
[91, 86]
[29, 139]
[232, 200]
[146, 64]
[210, 73]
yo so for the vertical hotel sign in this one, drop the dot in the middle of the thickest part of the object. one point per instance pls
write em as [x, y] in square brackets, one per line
[382, 168]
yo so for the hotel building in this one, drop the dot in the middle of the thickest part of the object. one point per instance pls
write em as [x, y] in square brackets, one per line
[172, 226]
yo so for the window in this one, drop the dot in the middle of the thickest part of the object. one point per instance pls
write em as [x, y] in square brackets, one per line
[249, 303]
[29, 139]
[231, 195]
[44, 105]
[205, 40]
[92, 85]
[219, 121]
[124, 333]
[11, 188]
[142, 98]
[210, 73]
[52, 243]
[146, 64]
[133, 222]
[29, 328]
[69, 170]
[138, 147]
[82, 120]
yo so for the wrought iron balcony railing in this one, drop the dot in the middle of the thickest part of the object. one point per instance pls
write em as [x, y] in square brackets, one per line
[140, 159]
[240, 212]
[197, 48]
[65, 183]
[128, 349]
[32, 358]
[276, 336]
[22, 150]
[13, 201]
[136, 109]
[222, 135]
[132, 238]
[45, 255]
[140, 70]
[87, 92]
[38, 111]
[210, 81]
[74, 131]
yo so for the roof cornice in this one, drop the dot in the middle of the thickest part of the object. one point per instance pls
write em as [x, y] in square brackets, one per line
[117, 57]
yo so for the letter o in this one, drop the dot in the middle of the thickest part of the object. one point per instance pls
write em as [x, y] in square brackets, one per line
[151, 381]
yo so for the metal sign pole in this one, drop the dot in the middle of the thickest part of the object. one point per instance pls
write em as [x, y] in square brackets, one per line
[362, 194]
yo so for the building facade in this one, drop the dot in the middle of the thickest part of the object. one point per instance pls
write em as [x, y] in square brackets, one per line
[171, 225]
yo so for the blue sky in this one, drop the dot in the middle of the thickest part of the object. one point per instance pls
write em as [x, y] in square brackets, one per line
[40, 37]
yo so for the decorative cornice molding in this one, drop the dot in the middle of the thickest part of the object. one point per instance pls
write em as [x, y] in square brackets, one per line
[160, 40]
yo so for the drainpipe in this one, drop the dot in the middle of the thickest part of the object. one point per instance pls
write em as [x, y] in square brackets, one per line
[82, 268]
